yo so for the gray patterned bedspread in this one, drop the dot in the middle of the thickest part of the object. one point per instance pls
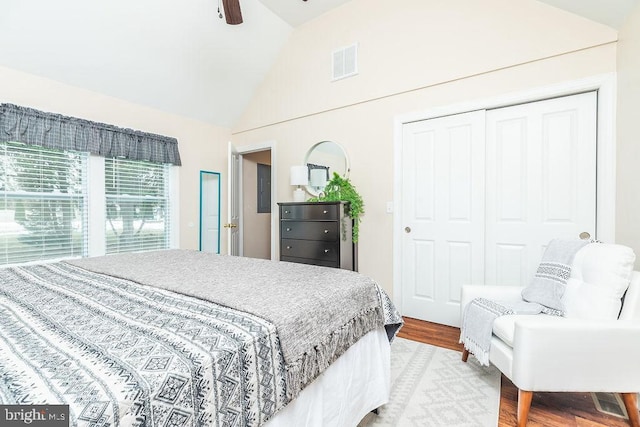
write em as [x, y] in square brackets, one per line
[157, 341]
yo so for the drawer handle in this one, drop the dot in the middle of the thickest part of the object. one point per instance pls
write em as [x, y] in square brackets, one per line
[326, 231]
[324, 212]
[288, 229]
[286, 211]
[326, 251]
[289, 247]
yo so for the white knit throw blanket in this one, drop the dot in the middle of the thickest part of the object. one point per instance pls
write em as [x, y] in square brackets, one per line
[541, 296]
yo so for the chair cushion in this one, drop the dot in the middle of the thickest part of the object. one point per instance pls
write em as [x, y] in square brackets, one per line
[604, 264]
[584, 300]
[600, 275]
[504, 326]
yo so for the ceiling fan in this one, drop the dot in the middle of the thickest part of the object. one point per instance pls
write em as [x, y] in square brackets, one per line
[232, 12]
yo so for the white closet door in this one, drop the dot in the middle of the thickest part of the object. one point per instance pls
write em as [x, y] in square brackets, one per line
[443, 214]
[540, 183]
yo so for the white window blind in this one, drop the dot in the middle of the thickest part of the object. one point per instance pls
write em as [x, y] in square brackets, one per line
[42, 203]
[137, 206]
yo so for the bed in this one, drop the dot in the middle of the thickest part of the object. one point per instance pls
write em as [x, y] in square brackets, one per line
[185, 338]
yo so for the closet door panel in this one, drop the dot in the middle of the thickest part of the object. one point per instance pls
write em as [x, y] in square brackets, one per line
[460, 267]
[541, 181]
[422, 163]
[510, 151]
[460, 173]
[424, 260]
[442, 214]
[560, 150]
[512, 261]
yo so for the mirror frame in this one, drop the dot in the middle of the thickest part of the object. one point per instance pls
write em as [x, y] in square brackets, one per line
[345, 173]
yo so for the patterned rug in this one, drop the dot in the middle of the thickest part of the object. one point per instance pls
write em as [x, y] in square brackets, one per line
[431, 386]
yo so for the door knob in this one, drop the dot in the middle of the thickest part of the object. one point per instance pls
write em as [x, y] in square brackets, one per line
[230, 225]
[585, 236]
[407, 229]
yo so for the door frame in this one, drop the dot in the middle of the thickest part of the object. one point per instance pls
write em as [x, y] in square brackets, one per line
[202, 173]
[234, 200]
[604, 84]
[252, 148]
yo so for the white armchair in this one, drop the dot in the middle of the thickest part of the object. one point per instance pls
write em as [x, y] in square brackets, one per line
[592, 349]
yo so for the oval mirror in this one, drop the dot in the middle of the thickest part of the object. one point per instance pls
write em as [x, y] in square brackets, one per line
[322, 160]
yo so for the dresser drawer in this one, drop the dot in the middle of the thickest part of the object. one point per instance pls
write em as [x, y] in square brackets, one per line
[321, 263]
[327, 251]
[327, 231]
[310, 212]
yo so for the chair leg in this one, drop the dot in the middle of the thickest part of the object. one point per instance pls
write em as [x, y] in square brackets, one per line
[631, 405]
[524, 403]
[465, 355]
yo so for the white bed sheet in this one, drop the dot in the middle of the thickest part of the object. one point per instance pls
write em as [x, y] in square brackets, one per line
[355, 384]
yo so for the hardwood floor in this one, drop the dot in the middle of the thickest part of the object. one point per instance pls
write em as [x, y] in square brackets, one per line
[547, 409]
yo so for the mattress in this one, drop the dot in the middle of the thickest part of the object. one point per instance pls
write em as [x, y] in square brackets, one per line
[354, 385]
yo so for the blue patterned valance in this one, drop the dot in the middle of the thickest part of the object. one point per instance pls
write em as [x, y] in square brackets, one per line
[29, 126]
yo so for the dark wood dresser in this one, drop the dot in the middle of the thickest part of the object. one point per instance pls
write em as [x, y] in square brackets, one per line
[317, 233]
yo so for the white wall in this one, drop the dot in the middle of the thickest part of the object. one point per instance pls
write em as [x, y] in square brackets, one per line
[628, 135]
[202, 146]
[413, 55]
[410, 44]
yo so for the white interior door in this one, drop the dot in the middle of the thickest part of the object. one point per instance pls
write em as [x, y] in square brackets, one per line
[209, 212]
[234, 242]
[442, 214]
[541, 182]
[484, 192]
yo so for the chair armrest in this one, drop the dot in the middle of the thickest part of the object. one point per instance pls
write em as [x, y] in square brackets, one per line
[560, 354]
[492, 292]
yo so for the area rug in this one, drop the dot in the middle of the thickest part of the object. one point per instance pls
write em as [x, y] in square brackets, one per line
[431, 386]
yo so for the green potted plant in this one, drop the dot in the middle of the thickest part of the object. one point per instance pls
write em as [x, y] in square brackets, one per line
[341, 189]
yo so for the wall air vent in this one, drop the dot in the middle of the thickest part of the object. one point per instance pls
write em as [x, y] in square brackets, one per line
[345, 62]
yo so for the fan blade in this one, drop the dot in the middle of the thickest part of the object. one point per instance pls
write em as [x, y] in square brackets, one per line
[232, 12]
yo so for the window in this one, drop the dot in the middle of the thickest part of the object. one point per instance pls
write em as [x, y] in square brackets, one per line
[75, 202]
[42, 203]
[137, 206]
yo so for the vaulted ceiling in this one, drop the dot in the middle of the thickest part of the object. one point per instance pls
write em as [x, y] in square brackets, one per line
[176, 56]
